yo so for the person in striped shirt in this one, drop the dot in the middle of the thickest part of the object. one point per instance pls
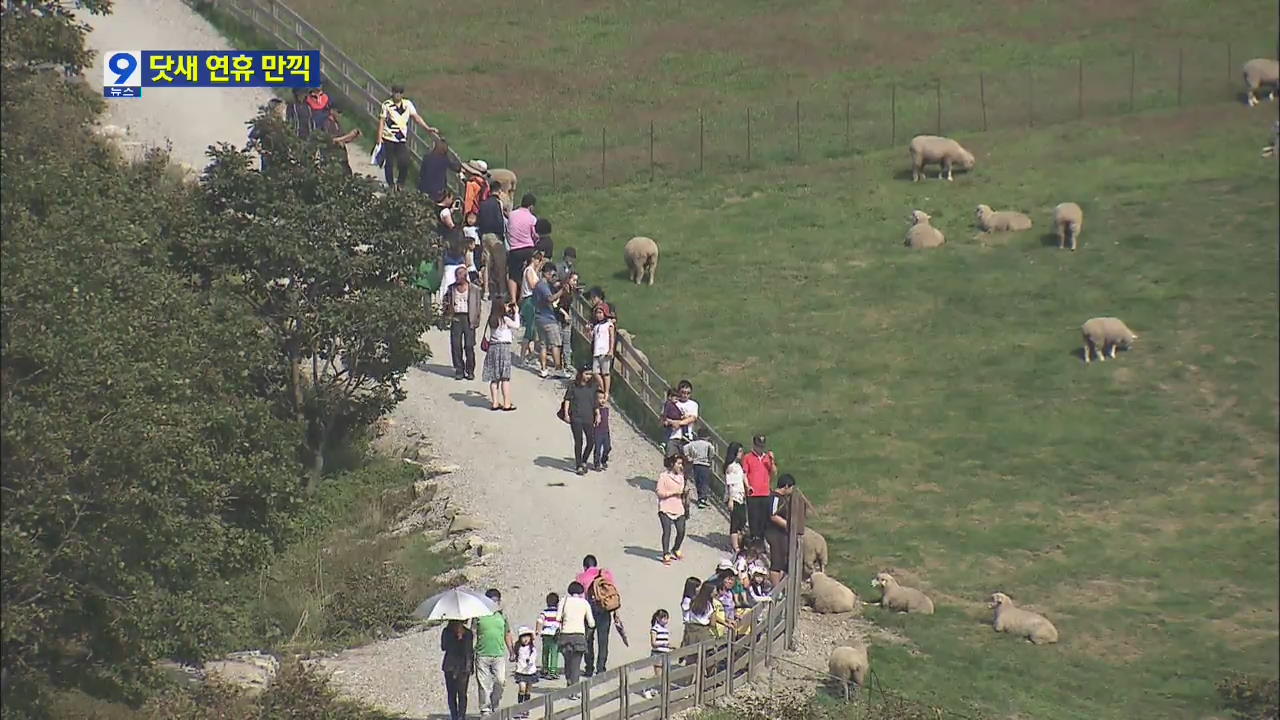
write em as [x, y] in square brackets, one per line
[659, 644]
[548, 626]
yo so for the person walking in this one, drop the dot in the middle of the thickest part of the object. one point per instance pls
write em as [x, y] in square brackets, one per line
[494, 644]
[462, 303]
[603, 338]
[433, 176]
[575, 620]
[521, 239]
[760, 468]
[579, 410]
[698, 452]
[600, 459]
[457, 642]
[526, 672]
[548, 628]
[735, 495]
[393, 134]
[502, 327]
[670, 490]
[604, 598]
[659, 644]
[779, 527]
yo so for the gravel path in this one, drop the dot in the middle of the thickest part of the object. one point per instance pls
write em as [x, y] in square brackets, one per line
[516, 468]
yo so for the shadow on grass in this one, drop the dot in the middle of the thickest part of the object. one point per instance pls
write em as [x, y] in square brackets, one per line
[1049, 240]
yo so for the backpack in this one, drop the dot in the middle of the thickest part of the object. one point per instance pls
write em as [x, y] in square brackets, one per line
[605, 594]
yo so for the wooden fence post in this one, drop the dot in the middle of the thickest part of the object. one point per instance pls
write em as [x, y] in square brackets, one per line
[797, 129]
[982, 98]
[624, 694]
[701, 671]
[1031, 113]
[893, 114]
[650, 151]
[664, 692]
[1080, 88]
[506, 156]
[728, 680]
[1179, 77]
[847, 138]
[701, 130]
[548, 707]
[602, 155]
[1230, 72]
[585, 701]
[1133, 71]
[938, 102]
[748, 134]
[553, 163]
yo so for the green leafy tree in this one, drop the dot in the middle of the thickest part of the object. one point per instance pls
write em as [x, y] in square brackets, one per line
[43, 32]
[325, 260]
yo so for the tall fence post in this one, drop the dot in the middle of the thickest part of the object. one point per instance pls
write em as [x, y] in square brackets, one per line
[1031, 113]
[602, 154]
[664, 692]
[748, 134]
[1230, 72]
[1133, 72]
[982, 98]
[1179, 77]
[797, 129]
[700, 679]
[893, 114]
[847, 138]
[506, 156]
[701, 135]
[650, 151]
[1080, 88]
[937, 102]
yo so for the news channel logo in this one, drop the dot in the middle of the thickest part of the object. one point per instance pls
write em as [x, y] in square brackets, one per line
[126, 72]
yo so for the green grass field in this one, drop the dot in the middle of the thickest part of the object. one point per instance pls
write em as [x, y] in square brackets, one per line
[935, 406]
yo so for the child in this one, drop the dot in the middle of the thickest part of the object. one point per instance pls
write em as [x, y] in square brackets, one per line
[671, 411]
[760, 587]
[526, 671]
[548, 626]
[603, 341]
[603, 445]
[659, 644]
[698, 453]
[472, 234]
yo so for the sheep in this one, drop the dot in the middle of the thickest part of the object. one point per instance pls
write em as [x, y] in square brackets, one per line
[849, 663]
[111, 132]
[921, 234]
[1068, 219]
[931, 149]
[1004, 221]
[815, 552]
[1103, 334]
[495, 260]
[630, 346]
[828, 595]
[1033, 626]
[1261, 73]
[900, 597]
[641, 254]
[508, 179]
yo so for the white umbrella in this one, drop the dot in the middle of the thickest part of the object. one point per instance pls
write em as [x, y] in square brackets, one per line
[460, 603]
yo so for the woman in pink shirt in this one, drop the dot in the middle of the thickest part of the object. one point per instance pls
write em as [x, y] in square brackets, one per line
[671, 510]
[521, 239]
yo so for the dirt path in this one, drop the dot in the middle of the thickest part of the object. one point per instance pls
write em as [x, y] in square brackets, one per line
[517, 474]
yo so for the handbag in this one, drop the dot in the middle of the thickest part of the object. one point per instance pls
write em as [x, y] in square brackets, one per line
[484, 340]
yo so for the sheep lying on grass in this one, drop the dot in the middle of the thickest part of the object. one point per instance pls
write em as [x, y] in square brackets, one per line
[901, 598]
[828, 595]
[815, 552]
[941, 151]
[921, 234]
[1068, 218]
[849, 663]
[1261, 74]
[1004, 221]
[1009, 619]
[641, 255]
[1103, 334]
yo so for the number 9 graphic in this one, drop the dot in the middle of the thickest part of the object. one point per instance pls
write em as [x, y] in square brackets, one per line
[122, 70]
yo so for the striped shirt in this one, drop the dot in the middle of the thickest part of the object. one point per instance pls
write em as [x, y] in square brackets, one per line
[660, 638]
[550, 619]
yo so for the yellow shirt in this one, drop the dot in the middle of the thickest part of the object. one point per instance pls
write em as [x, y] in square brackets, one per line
[395, 120]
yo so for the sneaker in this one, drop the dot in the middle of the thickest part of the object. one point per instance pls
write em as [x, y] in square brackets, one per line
[471, 376]
[582, 470]
[650, 694]
[542, 372]
[575, 696]
[678, 555]
[596, 467]
[567, 374]
[604, 466]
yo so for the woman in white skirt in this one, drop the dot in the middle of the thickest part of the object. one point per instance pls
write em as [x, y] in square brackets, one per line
[502, 326]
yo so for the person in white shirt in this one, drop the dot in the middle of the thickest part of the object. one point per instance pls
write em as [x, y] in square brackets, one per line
[575, 619]
[735, 494]
[602, 339]
[526, 671]
[393, 136]
[501, 329]
[681, 430]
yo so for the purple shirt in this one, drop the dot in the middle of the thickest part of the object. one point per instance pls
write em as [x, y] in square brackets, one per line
[603, 425]
[520, 232]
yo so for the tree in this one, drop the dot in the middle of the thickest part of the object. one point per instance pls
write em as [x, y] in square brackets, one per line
[42, 32]
[324, 259]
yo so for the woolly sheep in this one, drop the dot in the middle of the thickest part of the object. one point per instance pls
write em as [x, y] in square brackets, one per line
[1009, 619]
[1103, 334]
[900, 597]
[1068, 219]
[1004, 221]
[921, 234]
[1260, 73]
[932, 149]
[495, 260]
[849, 663]
[828, 595]
[815, 552]
[641, 254]
[509, 184]
[631, 346]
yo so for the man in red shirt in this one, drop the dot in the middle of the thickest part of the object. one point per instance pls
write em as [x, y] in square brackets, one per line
[760, 470]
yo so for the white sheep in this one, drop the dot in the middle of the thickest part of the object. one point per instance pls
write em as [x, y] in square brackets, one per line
[921, 234]
[630, 346]
[1259, 74]
[1003, 221]
[828, 595]
[815, 552]
[849, 663]
[508, 179]
[944, 152]
[641, 255]
[1068, 219]
[900, 597]
[111, 132]
[1103, 335]
[1031, 625]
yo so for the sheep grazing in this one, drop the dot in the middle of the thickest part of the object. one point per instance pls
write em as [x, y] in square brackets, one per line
[921, 234]
[815, 552]
[641, 255]
[630, 339]
[828, 595]
[900, 597]
[935, 150]
[1261, 74]
[1004, 221]
[849, 663]
[1009, 619]
[1068, 218]
[1102, 335]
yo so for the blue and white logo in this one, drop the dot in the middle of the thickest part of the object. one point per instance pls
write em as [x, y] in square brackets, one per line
[122, 74]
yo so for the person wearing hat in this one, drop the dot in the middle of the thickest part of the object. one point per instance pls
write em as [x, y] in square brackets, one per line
[320, 105]
[393, 136]
[760, 468]
[475, 178]
[526, 670]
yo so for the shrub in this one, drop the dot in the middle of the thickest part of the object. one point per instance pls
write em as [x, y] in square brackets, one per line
[370, 600]
[1250, 697]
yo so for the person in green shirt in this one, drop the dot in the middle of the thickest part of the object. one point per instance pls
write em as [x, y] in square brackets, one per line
[494, 644]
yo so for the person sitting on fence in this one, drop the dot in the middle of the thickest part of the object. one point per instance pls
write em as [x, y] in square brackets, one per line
[659, 644]
[776, 533]
[521, 240]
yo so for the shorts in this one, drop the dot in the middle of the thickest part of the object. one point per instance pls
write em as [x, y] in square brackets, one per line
[602, 364]
[777, 551]
[549, 333]
[517, 261]
[738, 518]
[675, 446]
[526, 678]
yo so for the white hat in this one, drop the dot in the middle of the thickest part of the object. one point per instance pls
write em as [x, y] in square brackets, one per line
[523, 630]
[480, 165]
[724, 564]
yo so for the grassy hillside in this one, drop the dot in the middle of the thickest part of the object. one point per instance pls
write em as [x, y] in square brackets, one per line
[935, 406]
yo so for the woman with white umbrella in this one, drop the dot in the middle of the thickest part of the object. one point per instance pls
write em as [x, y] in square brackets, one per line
[457, 641]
